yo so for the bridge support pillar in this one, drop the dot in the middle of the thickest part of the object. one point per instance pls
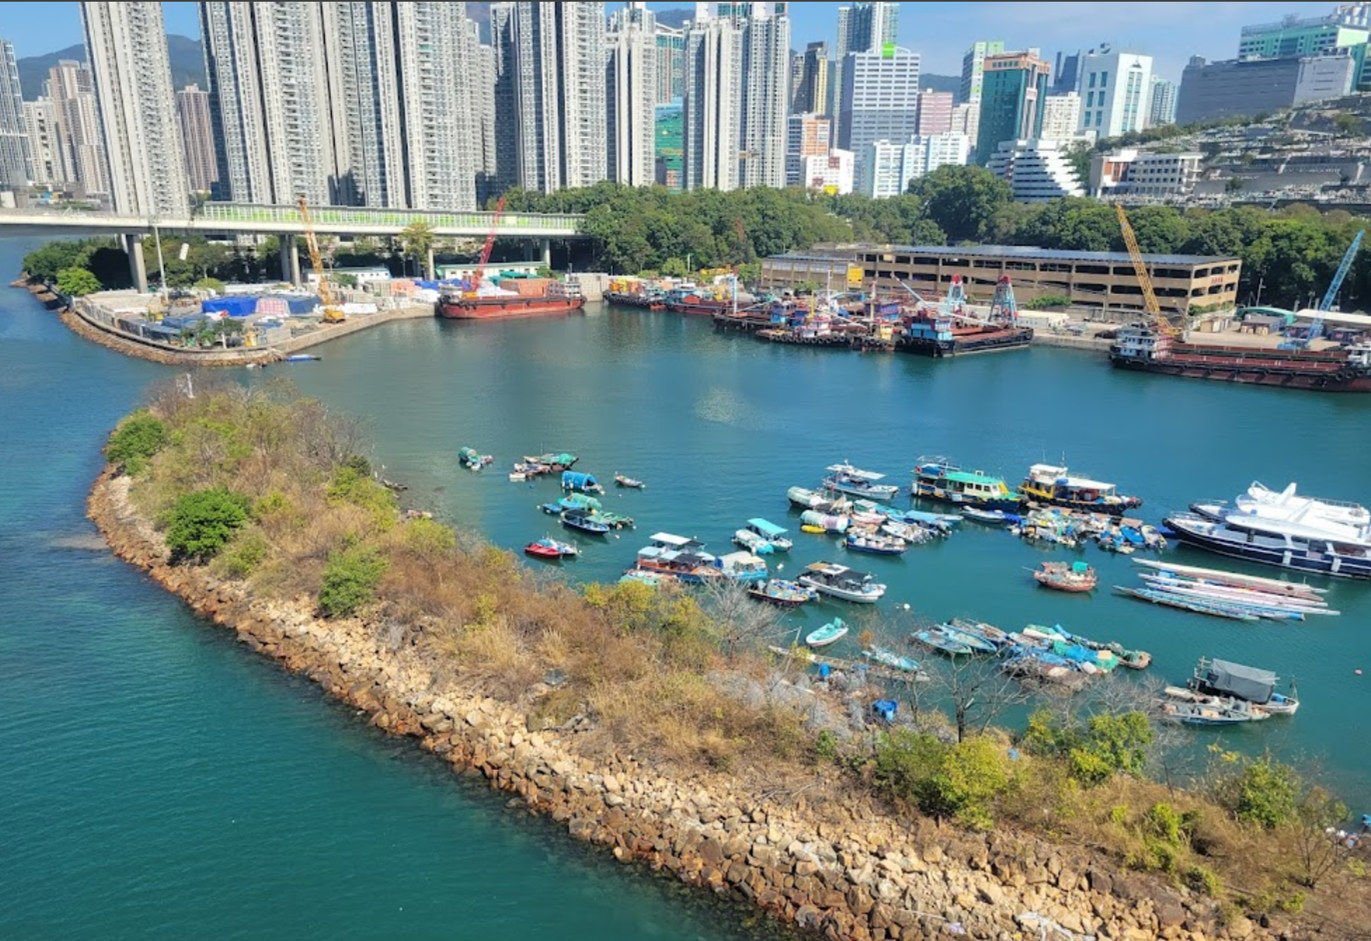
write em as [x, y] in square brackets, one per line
[429, 271]
[133, 246]
[290, 260]
[547, 253]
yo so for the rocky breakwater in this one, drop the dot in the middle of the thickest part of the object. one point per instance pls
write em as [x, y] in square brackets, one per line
[848, 869]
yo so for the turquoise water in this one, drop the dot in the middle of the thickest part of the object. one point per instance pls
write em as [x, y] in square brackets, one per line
[159, 782]
[720, 425]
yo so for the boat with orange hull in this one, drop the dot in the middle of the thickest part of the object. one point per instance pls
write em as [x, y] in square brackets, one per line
[635, 299]
[556, 298]
[1345, 369]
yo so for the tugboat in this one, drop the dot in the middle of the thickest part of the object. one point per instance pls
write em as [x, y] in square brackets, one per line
[937, 478]
[1048, 483]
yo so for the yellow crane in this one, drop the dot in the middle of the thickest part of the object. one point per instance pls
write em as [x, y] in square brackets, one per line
[332, 312]
[1150, 306]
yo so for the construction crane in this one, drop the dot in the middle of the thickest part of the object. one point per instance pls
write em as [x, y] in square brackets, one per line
[1331, 295]
[332, 312]
[1150, 305]
[489, 245]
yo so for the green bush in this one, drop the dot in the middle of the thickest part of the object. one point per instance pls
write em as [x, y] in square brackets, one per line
[77, 282]
[826, 745]
[209, 284]
[135, 440]
[200, 523]
[247, 551]
[1200, 879]
[350, 579]
[1164, 823]
[352, 483]
[1048, 301]
[947, 781]
[1264, 793]
[1094, 752]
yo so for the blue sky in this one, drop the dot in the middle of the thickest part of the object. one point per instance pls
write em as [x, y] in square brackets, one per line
[1170, 32]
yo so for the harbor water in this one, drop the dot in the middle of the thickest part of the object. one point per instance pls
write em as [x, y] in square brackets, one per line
[160, 780]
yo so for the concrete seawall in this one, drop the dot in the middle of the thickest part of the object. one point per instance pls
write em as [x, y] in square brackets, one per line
[849, 869]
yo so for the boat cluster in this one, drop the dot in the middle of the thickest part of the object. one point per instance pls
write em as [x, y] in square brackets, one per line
[1226, 594]
[1221, 692]
[1072, 528]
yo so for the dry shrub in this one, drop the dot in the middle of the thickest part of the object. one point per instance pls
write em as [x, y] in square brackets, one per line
[495, 655]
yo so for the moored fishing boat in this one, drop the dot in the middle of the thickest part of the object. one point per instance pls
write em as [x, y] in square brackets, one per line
[1252, 685]
[631, 483]
[832, 632]
[990, 517]
[889, 658]
[1194, 713]
[768, 533]
[874, 543]
[937, 478]
[974, 640]
[781, 592]
[828, 522]
[553, 461]
[549, 548]
[546, 298]
[649, 578]
[839, 581]
[581, 483]
[1048, 483]
[582, 521]
[743, 566]
[989, 633]
[845, 478]
[1237, 579]
[1066, 576]
[939, 640]
[808, 499]
[1242, 597]
[472, 460]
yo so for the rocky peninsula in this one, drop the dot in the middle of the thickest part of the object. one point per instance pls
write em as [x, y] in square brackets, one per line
[857, 867]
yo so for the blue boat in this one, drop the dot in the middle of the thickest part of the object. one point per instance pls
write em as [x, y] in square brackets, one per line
[941, 641]
[582, 521]
[832, 632]
[581, 483]
[973, 640]
[888, 658]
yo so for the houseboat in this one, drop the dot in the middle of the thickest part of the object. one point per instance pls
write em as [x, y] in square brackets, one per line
[936, 478]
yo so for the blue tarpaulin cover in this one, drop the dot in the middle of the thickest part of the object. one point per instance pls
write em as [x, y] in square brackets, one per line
[236, 306]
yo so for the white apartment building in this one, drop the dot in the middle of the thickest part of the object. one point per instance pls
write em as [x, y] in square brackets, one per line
[766, 95]
[966, 119]
[631, 95]
[830, 173]
[888, 168]
[197, 137]
[1162, 109]
[365, 102]
[1116, 91]
[1131, 172]
[1061, 116]
[75, 127]
[862, 27]
[1036, 170]
[45, 150]
[807, 135]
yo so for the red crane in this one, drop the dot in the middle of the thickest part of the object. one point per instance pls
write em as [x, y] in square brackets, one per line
[480, 271]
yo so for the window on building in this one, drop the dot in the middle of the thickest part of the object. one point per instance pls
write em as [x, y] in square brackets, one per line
[1092, 79]
[1104, 79]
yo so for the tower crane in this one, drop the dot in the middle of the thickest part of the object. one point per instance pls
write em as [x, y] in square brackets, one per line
[1151, 308]
[480, 272]
[332, 312]
[1331, 295]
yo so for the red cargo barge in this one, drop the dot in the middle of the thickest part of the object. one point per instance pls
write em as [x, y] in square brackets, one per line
[558, 297]
[1345, 369]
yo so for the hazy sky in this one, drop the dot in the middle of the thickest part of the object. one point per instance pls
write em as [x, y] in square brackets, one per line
[1170, 32]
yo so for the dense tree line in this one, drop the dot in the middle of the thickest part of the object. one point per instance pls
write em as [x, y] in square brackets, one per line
[1288, 255]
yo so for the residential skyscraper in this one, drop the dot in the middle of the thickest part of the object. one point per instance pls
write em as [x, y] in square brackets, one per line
[671, 51]
[713, 99]
[1115, 89]
[880, 99]
[76, 129]
[197, 137]
[889, 166]
[228, 32]
[127, 45]
[1061, 116]
[1162, 108]
[45, 150]
[631, 96]
[1066, 73]
[364, 102]
[558, 68]
[503, 95]
[862, 27]
[935, 112]
[1013, 87]
[483, 109]
[15, 162]
[812, 95]
[973, 68]
[669, 144]
[807, 135]
[766, 94]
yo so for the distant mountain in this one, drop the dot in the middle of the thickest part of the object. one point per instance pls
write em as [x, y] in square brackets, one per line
[187, 65]
[952, 83]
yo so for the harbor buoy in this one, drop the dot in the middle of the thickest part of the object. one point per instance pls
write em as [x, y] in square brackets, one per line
[1357, 671]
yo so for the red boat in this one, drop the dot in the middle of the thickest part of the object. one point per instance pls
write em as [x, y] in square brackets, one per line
[558, 298]
[549, 548]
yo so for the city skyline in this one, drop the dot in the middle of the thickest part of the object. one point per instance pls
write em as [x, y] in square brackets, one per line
[940, 32]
